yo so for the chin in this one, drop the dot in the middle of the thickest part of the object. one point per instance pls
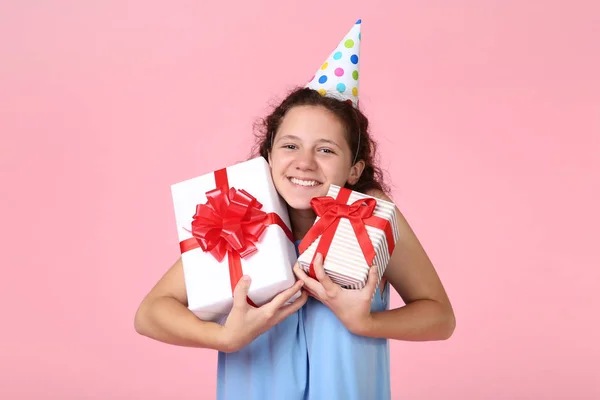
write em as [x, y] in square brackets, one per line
[297, 204]
[298, 201]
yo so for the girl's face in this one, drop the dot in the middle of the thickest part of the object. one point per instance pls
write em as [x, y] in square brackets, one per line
[310, 152]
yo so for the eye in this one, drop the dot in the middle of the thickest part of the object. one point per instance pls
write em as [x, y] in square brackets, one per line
[327, 151]
[289, 146]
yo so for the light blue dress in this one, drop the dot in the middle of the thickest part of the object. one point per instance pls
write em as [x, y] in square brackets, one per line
[309, 356]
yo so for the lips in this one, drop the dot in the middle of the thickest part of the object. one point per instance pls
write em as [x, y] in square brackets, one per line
[304, 182]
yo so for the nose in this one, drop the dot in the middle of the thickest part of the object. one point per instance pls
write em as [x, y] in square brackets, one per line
[306, 161]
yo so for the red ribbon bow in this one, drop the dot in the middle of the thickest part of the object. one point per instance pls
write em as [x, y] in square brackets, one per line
[230, 223]
[330, 212]
[328, 206]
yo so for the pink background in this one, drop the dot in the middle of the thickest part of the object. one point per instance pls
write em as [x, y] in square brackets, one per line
[487, 114]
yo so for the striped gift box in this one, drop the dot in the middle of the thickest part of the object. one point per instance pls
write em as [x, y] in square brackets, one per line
[345, 261]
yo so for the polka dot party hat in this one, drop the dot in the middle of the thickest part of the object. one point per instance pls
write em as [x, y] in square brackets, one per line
[338, 75]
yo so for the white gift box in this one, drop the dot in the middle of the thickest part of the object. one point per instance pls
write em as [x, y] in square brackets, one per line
[345, 262]
[207, 280]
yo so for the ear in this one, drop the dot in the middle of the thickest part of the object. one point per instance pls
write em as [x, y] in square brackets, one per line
[356, 171]
[269, 158]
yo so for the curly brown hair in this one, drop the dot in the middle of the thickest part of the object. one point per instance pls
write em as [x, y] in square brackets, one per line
[353, 121]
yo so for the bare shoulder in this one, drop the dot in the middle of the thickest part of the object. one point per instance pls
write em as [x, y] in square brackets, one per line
[378, 194]
[403, 225]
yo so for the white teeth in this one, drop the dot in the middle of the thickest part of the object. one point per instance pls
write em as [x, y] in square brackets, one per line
[303, 183]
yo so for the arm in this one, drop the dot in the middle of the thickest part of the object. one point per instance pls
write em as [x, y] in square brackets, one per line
[428, 314]
[163, 315]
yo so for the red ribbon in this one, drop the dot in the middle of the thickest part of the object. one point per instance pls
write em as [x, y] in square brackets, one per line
[230, 223]
[359, 213]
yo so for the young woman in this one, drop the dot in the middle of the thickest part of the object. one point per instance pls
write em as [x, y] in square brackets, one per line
[331, 343]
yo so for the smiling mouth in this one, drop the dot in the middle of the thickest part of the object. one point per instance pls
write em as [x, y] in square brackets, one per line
[304, 182]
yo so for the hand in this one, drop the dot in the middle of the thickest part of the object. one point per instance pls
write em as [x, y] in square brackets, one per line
[351, 306]
[245, 322]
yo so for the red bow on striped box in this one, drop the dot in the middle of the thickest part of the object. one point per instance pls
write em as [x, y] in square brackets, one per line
[352, 231]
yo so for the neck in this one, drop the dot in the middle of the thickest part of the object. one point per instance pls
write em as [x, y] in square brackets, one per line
[302, 221]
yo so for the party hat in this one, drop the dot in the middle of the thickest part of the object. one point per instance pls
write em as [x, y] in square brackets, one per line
[338, 75]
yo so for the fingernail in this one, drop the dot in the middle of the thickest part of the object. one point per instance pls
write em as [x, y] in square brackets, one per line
[246, 278]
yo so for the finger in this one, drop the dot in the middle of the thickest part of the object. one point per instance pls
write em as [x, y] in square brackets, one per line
[299, 302]
[241, 292]
[284, 296]
[322, 277]
[300, 274]
[305, 289]
[288, 309]
[309, 283]
[309, 292]
[372, 279]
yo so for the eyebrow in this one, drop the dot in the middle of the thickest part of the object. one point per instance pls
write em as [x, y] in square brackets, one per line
[294, 137]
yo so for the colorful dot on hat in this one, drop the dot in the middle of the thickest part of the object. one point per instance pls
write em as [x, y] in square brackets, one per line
[354, 59]
[355, 91]
[337, 55]
[341, 87]
[323, 79]
[349, 43]
[355, 75]
[322, 92]
[324, 66]
[339, 71]
[358, 35]
[359, 21]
